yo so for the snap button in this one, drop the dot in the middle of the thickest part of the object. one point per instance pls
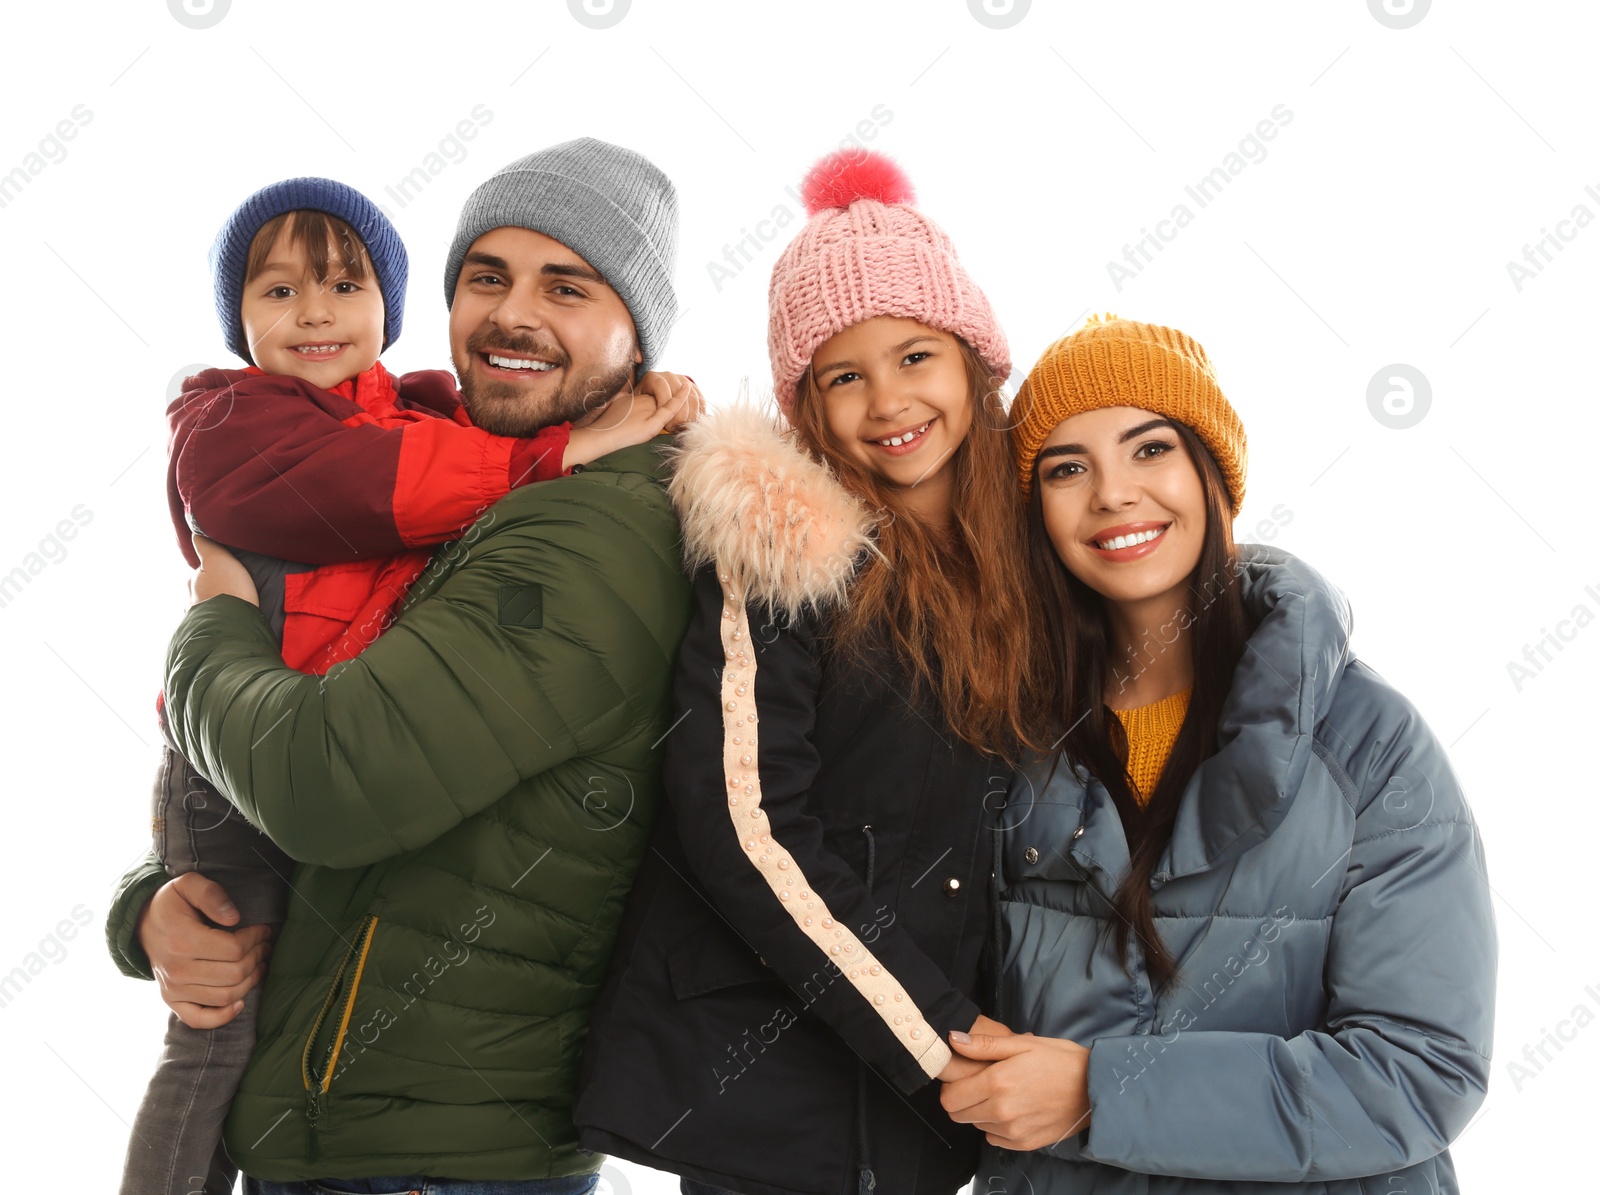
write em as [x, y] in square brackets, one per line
[1077, 834]
[952, 886]
[1031, 854]
[576, 469]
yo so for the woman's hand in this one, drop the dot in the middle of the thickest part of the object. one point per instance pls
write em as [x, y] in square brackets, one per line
[1034, 1092]
[220, 572]
[203, 972]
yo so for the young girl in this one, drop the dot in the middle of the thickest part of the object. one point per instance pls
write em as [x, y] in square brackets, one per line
[332, 482]
[806, 931]
[1245, 909]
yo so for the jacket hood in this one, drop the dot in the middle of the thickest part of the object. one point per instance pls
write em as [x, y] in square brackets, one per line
[1283, 686]
[754, 504]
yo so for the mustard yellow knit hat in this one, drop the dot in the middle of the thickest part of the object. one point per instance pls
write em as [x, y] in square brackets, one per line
[1114, 362]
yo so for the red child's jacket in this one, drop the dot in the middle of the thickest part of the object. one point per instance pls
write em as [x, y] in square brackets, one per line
[362, 481]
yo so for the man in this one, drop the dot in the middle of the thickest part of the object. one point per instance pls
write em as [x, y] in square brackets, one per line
[470, 797]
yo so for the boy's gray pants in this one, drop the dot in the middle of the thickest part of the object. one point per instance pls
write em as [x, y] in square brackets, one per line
[176, 1147]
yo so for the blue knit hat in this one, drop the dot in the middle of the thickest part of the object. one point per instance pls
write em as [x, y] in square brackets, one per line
[232, 248]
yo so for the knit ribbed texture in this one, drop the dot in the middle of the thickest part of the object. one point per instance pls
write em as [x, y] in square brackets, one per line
[1122, 363]
[866, 259]
[1152, 730]
[231, 250]
[611, 206]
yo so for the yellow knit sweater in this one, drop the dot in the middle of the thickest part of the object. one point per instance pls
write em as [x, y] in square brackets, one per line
[1152, 730]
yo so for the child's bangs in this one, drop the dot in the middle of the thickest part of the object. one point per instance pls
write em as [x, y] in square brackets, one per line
[331, 246]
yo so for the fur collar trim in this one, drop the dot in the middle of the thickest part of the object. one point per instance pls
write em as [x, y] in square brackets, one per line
[764, 512]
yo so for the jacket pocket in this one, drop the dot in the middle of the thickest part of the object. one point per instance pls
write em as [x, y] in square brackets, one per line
[332, 591]
[318, 1064]
[710, 962]
[850, 844]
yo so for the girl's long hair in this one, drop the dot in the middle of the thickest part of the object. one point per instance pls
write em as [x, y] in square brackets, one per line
[1077, 645]
[952, 606]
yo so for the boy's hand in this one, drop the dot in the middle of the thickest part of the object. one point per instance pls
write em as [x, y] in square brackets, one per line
[219, 572]
[659, 402]
[675, 393]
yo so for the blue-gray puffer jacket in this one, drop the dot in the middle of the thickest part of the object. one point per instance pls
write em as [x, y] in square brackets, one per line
[1324, 892]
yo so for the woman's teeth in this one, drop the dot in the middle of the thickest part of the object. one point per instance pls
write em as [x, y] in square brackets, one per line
[519, 363]
[1128, 541]
[896, 441]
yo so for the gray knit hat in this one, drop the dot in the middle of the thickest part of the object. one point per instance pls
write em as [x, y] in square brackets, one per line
[611, 206]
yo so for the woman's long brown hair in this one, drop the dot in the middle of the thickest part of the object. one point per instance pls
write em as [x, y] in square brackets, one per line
[1077, 645]
[953, 606]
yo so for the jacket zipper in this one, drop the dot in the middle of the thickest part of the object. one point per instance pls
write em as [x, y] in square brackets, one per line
[866, 1180]
[318, 1077]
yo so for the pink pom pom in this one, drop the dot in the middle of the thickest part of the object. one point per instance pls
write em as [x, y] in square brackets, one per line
[850, 174]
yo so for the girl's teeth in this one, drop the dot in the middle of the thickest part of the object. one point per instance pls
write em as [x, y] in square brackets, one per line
[896, 441]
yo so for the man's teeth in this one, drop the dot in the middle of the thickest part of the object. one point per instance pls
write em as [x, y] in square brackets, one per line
[896, 441]
[1127, 541]
[317, 350]
[520, 363]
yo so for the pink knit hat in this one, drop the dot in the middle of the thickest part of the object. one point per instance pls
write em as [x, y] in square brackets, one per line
[867, 252]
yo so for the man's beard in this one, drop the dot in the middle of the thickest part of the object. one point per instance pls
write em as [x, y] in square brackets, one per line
[505, 409]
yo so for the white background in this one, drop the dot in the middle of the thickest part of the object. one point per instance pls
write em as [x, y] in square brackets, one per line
[1375, 231]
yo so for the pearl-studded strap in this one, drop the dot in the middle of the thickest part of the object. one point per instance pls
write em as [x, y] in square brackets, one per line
[781, 871]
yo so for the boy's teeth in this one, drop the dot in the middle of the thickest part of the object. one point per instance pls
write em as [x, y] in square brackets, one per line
[315, 349]
[519, 363]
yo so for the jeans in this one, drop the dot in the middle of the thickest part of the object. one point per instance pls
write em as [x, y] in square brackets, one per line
[416, 1184]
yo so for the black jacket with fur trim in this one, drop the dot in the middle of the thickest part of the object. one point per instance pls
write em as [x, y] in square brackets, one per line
[808, 922]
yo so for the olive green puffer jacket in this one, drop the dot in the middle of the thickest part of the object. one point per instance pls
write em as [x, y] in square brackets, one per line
[469, 800]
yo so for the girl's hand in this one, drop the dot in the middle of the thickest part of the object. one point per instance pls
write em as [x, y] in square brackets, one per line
[658, 402]
[962, 1068]
[1034, 1092]
[219, 572]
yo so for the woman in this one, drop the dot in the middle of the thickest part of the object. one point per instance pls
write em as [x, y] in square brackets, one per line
[806, 930]
[1245, 909]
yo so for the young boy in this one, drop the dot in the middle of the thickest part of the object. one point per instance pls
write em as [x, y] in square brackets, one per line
[332, 482]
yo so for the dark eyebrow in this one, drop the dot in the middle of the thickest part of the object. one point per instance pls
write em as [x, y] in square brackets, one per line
[569, 270]
[560, 269]
[1080, 450]
[1060, 450]
[1148, 426]
[899, 348]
